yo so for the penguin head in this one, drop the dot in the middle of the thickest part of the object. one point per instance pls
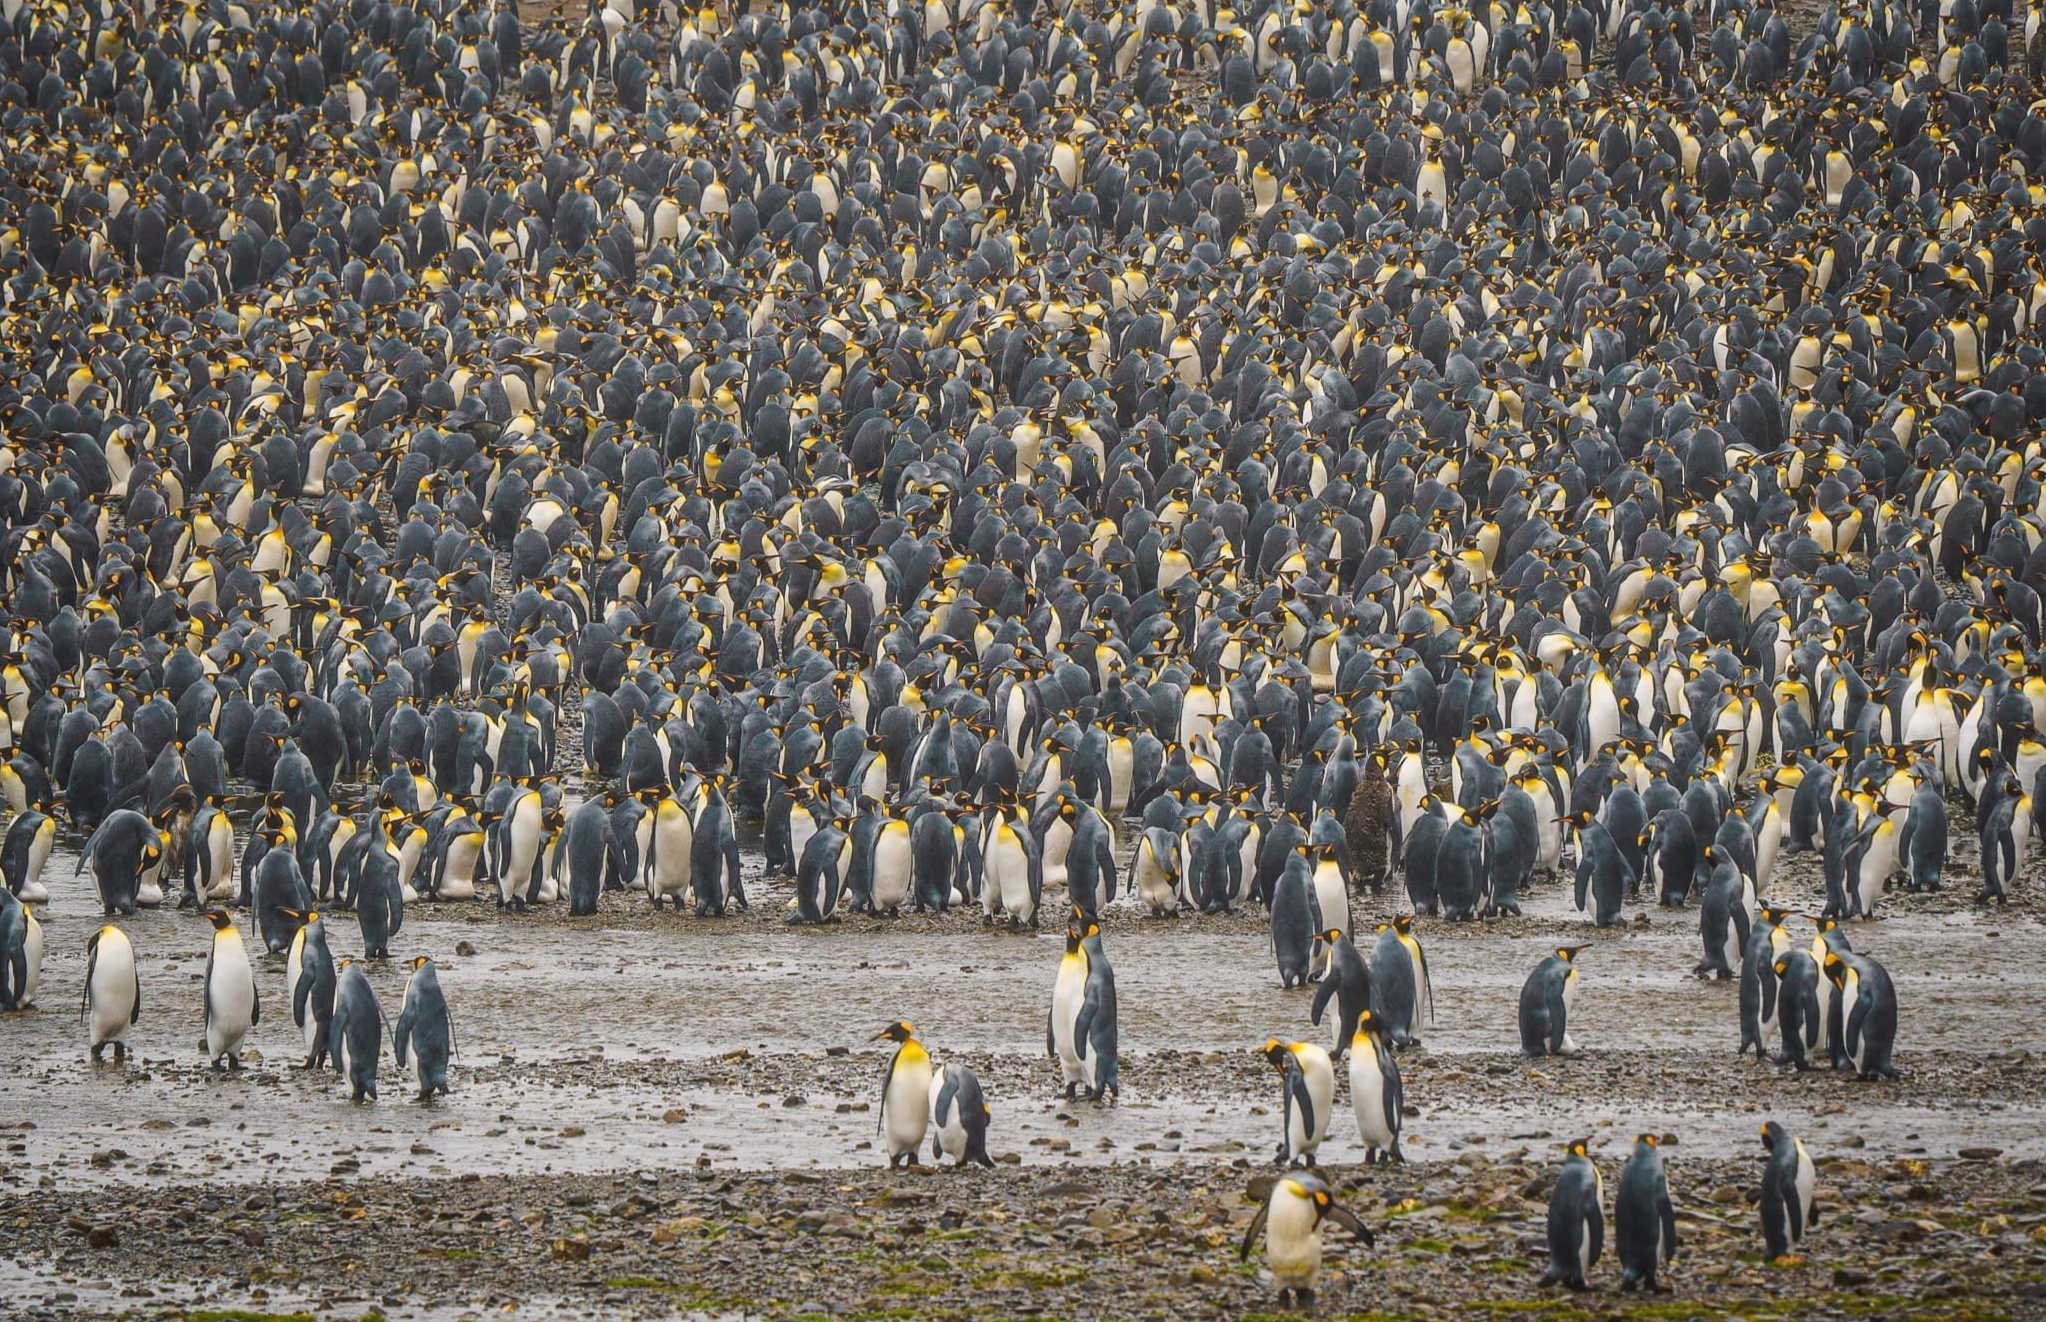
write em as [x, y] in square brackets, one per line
[1277, 1053]
[900, 1031]
[1648, 1141]
[1332, 935]
[1836, 969]
[421, 961]
[1403, 923]
[1772, 1135]
[1366, 1023]
[1568, 954]
[222, 921]
[1579, 1147]
[1782, 967]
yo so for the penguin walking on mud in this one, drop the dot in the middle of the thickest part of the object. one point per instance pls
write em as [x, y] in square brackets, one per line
[1546, 999]
[905, 1095]
[1376, 1094]
[309, 979]
[1403, 998]
[232, 1005]
[425, 1030]
[1347, 982]
[1080, 1029]
[113, 992]
[21, 953]
[355, 1035]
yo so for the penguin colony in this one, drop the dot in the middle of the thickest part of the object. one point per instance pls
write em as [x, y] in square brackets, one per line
[1140, 454]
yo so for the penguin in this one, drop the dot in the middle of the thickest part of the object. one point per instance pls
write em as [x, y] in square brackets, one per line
[1759, 992]
[309, 980]
[1080, 1030]
[1402, 996]
[24, 851]
[279, 896]
[209, 858]
[1155, 874]
[959, 1118]
[1309, 1092]
[517, 835]
[355, 1035]
[588, 848]
[113, 992]
[890, 865]
[1799, 1017]
[1013, 870]
[1293, 917]
[1603, 873]
[1869, 1001]
[1545, 1003]
[821, 873]
[1723, 917]
[425, 1030]
[1577, 1222]
[666, 865]
[1290, 1221]
[1347, 981]
[1331, 891]
[21, 954]
[1644, 1220]
[905, 1095]
[231, 1002]
[1790, 1184]
[379, 902]
[1375, 1090]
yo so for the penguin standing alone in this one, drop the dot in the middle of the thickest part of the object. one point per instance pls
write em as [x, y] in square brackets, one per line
[113, 991]
[1545, 1001]
[232, 1005]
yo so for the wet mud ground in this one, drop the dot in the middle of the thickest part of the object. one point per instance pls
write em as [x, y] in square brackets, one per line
[692, 1104]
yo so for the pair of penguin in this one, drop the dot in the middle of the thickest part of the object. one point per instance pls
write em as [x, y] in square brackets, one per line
[917, 1098]
[1308, 1081]
[1644, 1219]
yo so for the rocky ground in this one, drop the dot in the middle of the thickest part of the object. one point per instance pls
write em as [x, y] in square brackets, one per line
[655, 1115]
[1897, 1238]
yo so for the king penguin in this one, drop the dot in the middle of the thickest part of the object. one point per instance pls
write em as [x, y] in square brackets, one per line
[232, 1006]
[113, 991]
[1290, 1221]
[905, 1095]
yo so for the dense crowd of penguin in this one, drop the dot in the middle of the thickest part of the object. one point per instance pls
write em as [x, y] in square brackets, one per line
[1028, 455]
